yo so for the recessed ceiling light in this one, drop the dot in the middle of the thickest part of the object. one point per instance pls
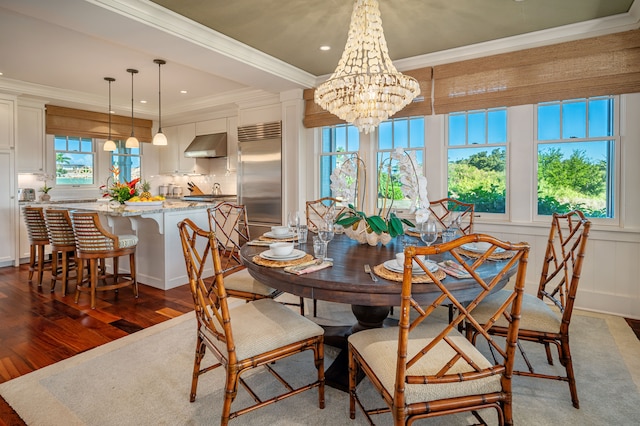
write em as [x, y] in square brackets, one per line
[183, 92]
[324, 48]
[143, 101]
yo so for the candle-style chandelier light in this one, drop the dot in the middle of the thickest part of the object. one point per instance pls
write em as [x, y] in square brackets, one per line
[366, 89]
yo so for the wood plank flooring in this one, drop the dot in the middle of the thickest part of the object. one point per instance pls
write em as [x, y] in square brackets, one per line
[39, 328]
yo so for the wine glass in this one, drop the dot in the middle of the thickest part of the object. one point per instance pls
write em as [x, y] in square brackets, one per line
[325, 233]
[293, 220]
[429, 232]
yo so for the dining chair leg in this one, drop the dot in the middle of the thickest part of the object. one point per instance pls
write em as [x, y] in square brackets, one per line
[132, 269]
[32, 261]
[40, 264]
[54, 270]
[94, 281]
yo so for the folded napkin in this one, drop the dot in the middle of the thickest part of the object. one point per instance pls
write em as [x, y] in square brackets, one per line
[305, 268]
[453, 269]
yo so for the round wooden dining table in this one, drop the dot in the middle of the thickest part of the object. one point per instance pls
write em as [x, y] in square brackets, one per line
[347, 282]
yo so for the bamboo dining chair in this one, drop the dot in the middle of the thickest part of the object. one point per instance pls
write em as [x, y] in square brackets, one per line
[229, 223]
[448, 209]
[248, 336]
[425, 370]
[317, 211]
[94, 244]
[38, 240]
[548, 323]
[63, 246]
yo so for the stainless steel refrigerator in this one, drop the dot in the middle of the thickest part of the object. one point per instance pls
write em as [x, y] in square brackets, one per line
[260, 175]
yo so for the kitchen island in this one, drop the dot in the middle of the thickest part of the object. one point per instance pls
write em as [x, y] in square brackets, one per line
[159, 258]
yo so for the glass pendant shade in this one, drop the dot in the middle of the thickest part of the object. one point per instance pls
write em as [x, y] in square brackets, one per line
[109, 145]
[159, 138]
[366, 89]
[132, 141]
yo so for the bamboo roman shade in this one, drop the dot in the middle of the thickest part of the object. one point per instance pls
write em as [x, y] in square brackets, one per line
[605, 65]
[76, 122]
[314, 116]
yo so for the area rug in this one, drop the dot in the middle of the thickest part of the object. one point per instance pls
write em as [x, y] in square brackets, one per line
[144, 379]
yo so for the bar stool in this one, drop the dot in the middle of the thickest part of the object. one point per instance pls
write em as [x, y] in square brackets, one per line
[38, 239]
[63, 246]
[94, 243]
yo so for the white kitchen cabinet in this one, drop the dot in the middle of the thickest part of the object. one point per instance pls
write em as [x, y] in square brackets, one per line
[6, 123]
[7, 208]
[172, 159]
[208, 127]
[30, 146]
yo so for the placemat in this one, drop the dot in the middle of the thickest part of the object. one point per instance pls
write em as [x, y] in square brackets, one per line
[383, 272]
[273, 240]
[495, 256]
[279, 263]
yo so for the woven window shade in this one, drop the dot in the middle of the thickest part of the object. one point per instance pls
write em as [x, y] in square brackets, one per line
[605, 65]
[75, 122]
[314, 116]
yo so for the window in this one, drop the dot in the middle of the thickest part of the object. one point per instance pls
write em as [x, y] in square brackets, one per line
[338, 144]
[125, 163]
[408, 135]
[75, 159]
[576, 142]
[477, 158]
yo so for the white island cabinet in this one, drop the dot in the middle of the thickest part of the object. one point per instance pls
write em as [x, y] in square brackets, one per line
[159, 257]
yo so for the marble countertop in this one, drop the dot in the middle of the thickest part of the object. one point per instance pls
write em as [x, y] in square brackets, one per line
[124, 210]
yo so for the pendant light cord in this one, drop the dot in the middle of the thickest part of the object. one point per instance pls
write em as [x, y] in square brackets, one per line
[132, 71]
[160, 63]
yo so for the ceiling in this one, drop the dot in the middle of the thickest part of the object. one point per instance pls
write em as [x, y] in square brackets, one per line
[229, 53]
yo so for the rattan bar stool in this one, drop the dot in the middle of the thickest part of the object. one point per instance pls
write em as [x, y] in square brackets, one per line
[38, 240]
[94, 243]
[63, 247]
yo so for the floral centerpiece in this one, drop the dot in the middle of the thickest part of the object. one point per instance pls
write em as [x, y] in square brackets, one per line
[119, 191]
[346, 184]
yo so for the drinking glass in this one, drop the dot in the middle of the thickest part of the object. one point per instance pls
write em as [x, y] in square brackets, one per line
[429, 232]
[325, 233]
[293, 220]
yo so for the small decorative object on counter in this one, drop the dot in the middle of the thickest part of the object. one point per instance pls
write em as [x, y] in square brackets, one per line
[45, 188]
[119, 191]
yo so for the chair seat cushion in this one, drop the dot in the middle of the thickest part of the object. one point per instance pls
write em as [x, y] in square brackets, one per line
[127, 240]
[379, 349]
[262, 326]
[535, 314]
[243, 281]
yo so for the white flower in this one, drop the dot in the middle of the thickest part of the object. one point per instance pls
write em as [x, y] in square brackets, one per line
[414, 183]
[344, 180]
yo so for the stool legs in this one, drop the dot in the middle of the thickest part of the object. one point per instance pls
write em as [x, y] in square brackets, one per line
[36, 262]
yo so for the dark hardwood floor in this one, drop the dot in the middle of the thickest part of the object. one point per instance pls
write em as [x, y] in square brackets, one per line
[39, 328]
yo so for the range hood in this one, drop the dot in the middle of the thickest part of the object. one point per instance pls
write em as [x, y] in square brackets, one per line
[208, 146]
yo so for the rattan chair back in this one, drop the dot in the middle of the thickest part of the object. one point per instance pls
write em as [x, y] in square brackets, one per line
[234, 342]
[322, 209]
[446, 209]
[63, 245]
[229, 223]
[38, 240]
[435, 370]
[90, 235]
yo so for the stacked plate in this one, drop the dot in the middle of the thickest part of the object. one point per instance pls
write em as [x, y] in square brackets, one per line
[392, 265]
[280, 236]
[294, 255]
[480, 248]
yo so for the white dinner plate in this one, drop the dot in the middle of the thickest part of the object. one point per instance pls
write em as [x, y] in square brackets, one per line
[280, 237]
[392, 265]
[295, 254]
[472, 247]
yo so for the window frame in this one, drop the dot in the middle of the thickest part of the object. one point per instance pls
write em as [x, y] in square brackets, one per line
[489, 216]
[93, 153]
[330, 154]
[617, 157]
[120, 144]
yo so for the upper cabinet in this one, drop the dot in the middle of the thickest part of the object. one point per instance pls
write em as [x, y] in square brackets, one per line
[6, 123]
[172, 159]
[30, 151]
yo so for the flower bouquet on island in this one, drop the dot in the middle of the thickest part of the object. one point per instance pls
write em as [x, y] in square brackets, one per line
[119, 191]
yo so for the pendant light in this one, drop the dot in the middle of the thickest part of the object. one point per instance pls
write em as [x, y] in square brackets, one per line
[109, 145]
[132, 142]
[159, 138]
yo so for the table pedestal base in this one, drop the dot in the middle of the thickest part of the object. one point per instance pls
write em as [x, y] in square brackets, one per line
[337, 375]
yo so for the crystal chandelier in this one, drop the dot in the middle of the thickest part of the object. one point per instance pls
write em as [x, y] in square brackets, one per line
[366, 88]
